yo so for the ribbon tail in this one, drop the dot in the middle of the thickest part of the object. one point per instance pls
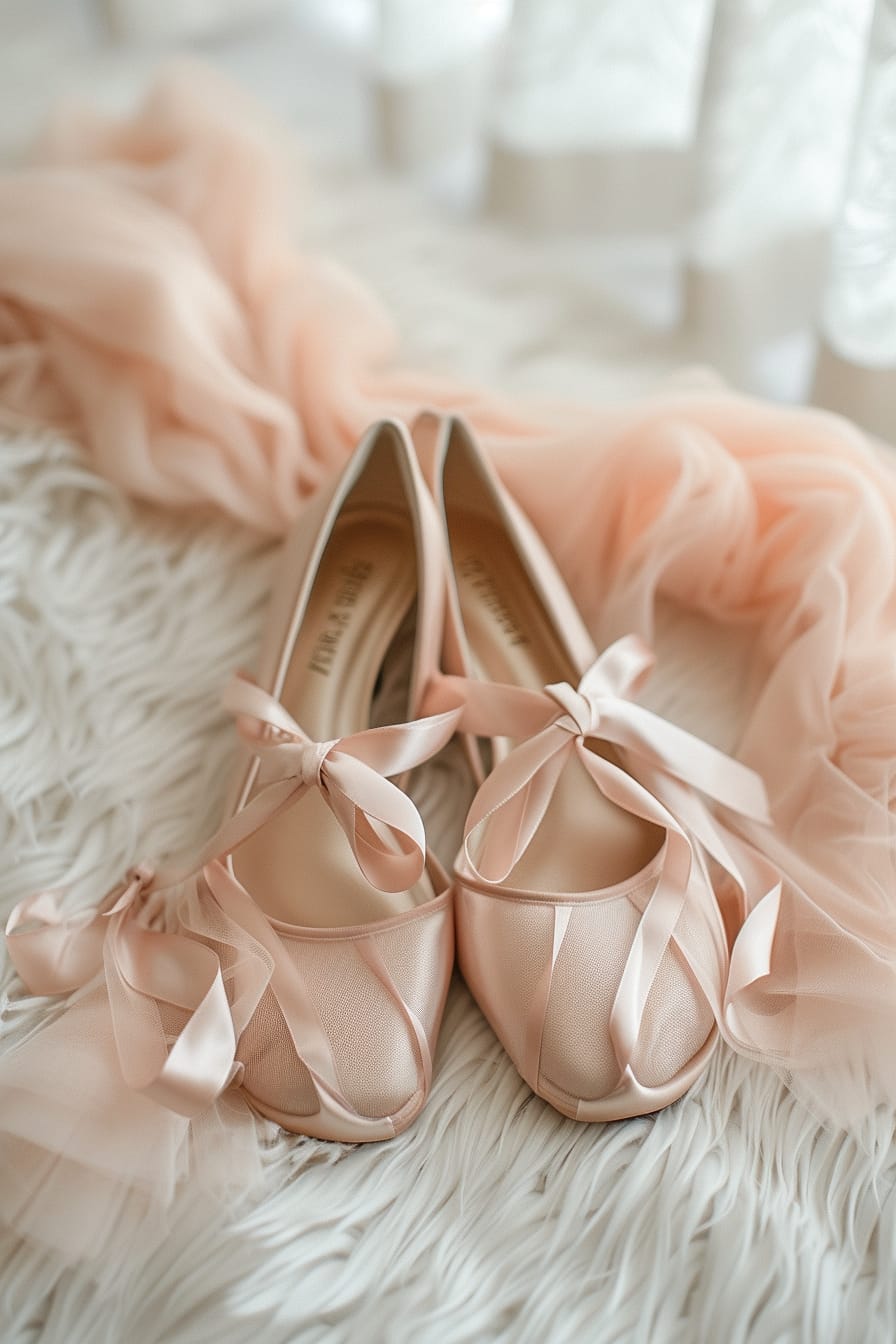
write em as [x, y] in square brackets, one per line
[382, 824]
[151, 976]
[751, 960]
[620, 670]
[657, 925]
[719, 777]
[511, 804]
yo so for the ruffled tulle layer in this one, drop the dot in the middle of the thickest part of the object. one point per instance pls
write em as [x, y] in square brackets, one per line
[87, 1165]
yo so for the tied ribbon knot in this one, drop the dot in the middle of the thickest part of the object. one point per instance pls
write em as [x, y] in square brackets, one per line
[178, 1006]
[138, 883]
[581, 715]
[311, 763]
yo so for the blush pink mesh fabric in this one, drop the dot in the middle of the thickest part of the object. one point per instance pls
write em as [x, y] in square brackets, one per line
[171, 326]
[376, 1056]
[274, 1077]
[504, 946]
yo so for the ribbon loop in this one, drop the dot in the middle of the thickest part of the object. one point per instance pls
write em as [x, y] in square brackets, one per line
[380, 821]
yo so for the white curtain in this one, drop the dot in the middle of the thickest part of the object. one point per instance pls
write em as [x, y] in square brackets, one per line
[758, 136]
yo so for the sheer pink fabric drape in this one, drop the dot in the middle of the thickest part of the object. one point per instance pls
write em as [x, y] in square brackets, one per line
[152, 304]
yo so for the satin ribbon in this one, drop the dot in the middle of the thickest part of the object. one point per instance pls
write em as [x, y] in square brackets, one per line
[511, 804]
[148, 969]
[159, 970]
[666, 771]
[380, 821]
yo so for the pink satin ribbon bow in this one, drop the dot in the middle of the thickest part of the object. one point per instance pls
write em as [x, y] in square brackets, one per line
[560, 720]
[666, 771]
[178, 1009]
[353, 773]
[149, 971]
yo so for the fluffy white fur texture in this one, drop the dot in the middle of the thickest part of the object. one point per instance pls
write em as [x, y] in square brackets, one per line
[729, 1217]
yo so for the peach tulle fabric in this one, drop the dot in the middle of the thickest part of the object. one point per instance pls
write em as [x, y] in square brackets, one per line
[171, 325]
[172, 328]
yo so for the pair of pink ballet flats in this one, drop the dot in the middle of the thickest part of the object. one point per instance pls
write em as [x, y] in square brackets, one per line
[307, 955]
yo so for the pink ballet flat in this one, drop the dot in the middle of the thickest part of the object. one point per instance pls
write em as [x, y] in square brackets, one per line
[307, 954]
[588, 926]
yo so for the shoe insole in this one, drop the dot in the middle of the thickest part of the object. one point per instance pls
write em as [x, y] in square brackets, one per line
[585, 842]
[299, 867]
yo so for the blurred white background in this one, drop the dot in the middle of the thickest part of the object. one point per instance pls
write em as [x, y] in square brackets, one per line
[726, 167]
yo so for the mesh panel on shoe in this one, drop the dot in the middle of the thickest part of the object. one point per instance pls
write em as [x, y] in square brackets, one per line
[576, 1054]
[411, 954]
[375, 1062]
[677, 1020]
[502, 948]
[374, 1053]
[274, 1075]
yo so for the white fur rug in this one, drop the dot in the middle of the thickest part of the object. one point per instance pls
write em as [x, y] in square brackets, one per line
[729, 1217]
